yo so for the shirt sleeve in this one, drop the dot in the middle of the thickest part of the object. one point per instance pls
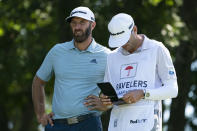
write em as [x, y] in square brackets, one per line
[167, 75]
[46, 69]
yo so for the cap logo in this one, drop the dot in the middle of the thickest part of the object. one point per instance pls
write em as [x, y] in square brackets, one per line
[130, 25]
[121, 31]
[92, 18]
[117, 33]
[78, 12]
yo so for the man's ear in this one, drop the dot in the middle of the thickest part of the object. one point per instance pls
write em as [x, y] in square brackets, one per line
[93, 25]
[135, 29]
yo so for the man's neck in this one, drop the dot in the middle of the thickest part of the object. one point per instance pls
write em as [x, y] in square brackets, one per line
[134, 45]
[83, 45]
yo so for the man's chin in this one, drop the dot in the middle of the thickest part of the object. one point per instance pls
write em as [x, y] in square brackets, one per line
[78, 36]
[79, 40]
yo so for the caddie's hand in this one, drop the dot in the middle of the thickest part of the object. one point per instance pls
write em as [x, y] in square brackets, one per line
[105, 100]
[45, 119]
[133, 96]
[93, 103]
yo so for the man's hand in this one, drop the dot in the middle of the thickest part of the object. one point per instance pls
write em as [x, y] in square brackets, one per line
[94, 103]
[45, 119]
[105, 100]
[133, 96]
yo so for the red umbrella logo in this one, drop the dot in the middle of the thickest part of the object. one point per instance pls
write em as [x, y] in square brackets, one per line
[129, 69]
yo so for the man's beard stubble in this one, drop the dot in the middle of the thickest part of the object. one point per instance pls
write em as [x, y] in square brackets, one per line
[84, 35]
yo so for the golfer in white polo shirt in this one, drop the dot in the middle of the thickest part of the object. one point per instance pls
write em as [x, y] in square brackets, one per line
[142, 73]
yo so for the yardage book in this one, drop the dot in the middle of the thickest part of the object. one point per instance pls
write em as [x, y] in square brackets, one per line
[108, 90]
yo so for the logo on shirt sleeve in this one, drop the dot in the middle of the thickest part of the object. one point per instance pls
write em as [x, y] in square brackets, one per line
[128, 70]
[171, 73]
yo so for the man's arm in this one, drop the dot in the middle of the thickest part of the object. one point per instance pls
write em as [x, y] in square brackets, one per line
[38, 96]
[167, 75]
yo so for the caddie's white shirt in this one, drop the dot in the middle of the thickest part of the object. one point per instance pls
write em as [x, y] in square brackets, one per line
[150, 69]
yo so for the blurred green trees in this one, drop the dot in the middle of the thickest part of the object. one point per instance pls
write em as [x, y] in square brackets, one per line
[28, 29]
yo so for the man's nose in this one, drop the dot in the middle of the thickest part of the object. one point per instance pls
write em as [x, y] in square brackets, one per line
[78, 26]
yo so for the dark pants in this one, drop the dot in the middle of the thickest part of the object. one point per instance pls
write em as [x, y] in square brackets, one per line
[91, 124]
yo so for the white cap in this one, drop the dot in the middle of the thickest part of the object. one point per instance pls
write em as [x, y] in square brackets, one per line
[82, 12]
[120, 28]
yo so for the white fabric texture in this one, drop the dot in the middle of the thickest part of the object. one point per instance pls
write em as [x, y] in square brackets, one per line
[150, 69]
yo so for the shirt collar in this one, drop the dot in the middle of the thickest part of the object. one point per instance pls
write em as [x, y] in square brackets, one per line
[71, 45]
[146, 43]
[91, 47]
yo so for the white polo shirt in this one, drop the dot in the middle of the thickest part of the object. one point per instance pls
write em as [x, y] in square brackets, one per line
[150, 69]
